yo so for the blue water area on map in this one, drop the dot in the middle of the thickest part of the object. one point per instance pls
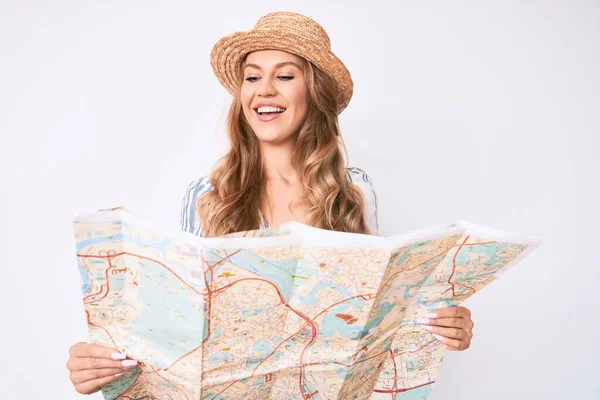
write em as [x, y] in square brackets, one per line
[340, 370]
[494, 252]
[252, 311]
[311, 298]
[332, 324]
[403, 256]
[281, 272]
[164, 315]
[214, 335]
[383, 310]
[214, 396]
[219, 359]
[489, 250]
[262, 347]
[115, 388]
[414, 394]
[85, 278]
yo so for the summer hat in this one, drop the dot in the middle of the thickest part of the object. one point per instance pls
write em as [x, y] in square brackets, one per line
[286, 31]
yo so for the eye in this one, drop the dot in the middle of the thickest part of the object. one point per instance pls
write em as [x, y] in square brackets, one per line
[286, 78]
[251, 79]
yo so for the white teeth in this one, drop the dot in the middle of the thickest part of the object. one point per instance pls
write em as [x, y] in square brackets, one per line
[270, 109]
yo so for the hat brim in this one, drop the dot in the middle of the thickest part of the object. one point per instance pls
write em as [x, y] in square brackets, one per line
[228, 53]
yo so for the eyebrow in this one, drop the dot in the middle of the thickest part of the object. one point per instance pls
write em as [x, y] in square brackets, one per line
[278, 65]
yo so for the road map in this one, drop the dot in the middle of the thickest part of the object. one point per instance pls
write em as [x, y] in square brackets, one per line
[288, 312]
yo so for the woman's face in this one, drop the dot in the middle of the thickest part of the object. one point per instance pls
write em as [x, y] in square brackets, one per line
[274, 95]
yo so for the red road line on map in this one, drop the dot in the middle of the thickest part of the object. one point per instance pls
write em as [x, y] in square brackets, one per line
[285, 304]
[110, 266]
[220, 290]
[102, 286]
[466, 287]
[109, 257]
[209, 291]
[307, 322]
[208, 302]
[227, 387]
[156, 261]
[437, 255]
[90, 323]
[145, 258]
[383, 352]
[402, 390]
[304, 395]
[415, 267]
[131, 386]
[395, 385]
[365, 297]
[454, 265]
[475, 243]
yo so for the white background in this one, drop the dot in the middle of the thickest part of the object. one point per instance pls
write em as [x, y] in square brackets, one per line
[482, 110]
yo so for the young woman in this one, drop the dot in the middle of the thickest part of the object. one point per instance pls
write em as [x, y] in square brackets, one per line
[285, 162]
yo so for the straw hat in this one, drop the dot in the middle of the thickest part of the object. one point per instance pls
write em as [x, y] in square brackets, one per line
[286, 31]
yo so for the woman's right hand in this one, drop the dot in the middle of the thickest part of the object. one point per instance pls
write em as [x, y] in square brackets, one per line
[93, 366]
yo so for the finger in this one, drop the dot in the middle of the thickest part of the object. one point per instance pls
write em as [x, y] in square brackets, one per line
[447, 322]
[452, 344]
[87, 350]
[93, 386]
[451, 333]
[80, 364]
[450, 312]
[88, 375]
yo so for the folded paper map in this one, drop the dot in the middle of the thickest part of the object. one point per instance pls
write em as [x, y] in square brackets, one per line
[289, 312]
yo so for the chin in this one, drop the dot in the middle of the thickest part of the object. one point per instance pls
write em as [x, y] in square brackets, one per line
[272, 137]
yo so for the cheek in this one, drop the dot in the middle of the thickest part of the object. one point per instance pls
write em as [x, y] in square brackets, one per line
[245, 99]
[300, 98]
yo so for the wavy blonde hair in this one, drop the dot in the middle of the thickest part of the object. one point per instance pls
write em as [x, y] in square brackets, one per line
[237, 179]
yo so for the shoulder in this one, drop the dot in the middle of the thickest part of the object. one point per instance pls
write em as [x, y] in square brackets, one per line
[361, 179]
[190, 221]
[357, 175]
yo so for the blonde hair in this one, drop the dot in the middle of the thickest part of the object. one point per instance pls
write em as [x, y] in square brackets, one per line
[238, 177]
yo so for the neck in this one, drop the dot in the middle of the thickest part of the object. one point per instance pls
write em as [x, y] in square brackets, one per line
[277, 162]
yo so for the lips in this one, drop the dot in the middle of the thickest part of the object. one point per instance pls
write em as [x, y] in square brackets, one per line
[267, 104]
[266, 117]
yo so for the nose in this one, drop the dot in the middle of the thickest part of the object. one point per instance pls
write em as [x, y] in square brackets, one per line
[266, 87]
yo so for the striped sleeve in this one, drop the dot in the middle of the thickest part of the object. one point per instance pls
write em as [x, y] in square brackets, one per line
[190, 221]
[363, 181]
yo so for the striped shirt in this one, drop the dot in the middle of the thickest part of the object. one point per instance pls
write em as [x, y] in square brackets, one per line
[190, 221]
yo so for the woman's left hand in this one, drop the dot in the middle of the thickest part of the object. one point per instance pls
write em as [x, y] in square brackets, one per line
[450, 325]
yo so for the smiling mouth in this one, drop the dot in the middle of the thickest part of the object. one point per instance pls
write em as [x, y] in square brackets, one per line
[269, 110]
[269, 114]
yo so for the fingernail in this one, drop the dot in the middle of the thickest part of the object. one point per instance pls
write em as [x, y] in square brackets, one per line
[119, 374]
[427, 328]
[129, 363]
[438, 337]
[431, 315]
[423, 320]
[118, 356]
